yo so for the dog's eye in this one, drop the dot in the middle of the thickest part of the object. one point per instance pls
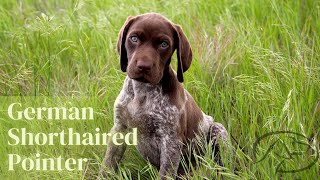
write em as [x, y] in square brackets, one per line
[134, 38]
[164, 44]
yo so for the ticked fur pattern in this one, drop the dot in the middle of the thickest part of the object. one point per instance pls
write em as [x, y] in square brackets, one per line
[144, 106]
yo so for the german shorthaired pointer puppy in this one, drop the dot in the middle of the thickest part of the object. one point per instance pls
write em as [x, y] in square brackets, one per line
[153, 99]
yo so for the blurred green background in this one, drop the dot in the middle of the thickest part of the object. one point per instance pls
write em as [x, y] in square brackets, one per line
[256, 69]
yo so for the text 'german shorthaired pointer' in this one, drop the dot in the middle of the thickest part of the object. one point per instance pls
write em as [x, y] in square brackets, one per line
[153, 99]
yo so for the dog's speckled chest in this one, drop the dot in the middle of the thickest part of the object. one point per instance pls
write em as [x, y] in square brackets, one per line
[144, 106]
[147, 108]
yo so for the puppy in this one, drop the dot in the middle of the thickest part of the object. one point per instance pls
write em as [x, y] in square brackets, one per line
[153, 99]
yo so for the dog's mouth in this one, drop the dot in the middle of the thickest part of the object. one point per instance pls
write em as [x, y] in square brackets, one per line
[144, 79]
[151, 77]
[141, 79]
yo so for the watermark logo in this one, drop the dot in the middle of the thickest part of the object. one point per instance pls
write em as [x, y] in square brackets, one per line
[293, 152]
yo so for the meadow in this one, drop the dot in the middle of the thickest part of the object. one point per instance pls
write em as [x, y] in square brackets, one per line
[255, 69]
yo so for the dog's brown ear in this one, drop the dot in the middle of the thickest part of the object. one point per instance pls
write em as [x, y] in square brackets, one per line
[184, 53]
[121, 43]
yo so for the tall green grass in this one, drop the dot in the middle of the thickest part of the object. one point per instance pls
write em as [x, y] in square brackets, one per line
[256, 69]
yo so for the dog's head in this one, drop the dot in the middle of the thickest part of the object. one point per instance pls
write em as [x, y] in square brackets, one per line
[146, 44]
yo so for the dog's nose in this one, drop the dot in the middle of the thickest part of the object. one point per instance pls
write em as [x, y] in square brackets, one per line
[144, 66]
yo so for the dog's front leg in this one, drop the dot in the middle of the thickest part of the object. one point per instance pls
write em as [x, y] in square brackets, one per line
[169, 158]
[114, 152]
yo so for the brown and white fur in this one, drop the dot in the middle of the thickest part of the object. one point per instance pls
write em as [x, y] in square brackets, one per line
[153, 99]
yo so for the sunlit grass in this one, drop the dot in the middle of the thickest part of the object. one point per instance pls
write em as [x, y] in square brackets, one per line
[256, 69]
